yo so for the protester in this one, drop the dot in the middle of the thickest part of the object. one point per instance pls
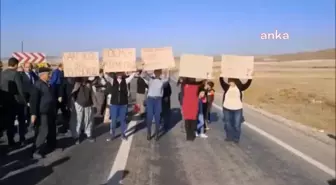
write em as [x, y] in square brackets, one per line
[180, 94]
[84, 101]
[56, 81]
[28, 80]
[11, 84]
[210, 98]
[43, 114]
[165, 114]
[142, 88]
[190, 106]
[233, 107]
[156, 85]
[200, 132]
[99, 88]
[118, 90]
[180, 98]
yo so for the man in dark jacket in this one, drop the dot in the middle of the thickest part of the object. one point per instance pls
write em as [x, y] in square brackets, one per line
[56, 81]
[11, 85]
[43, 113]
[28, 79]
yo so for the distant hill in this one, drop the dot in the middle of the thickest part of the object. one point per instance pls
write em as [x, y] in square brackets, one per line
[307, 55]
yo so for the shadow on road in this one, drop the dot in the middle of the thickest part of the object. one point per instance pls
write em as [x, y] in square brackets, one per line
[117, 178]
[175, 117]
[332, 136]
[332, 182]
[214, 117]
[34, 175]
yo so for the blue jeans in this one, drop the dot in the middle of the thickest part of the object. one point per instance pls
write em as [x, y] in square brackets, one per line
[232, 123]
[200, 124]
[153, 110]
[118, 112]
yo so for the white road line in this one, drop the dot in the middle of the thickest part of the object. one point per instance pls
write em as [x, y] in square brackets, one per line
[289, 148]
[120, 160]
[286, 146]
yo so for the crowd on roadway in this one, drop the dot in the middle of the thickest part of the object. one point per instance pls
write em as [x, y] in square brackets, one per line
[33, 95]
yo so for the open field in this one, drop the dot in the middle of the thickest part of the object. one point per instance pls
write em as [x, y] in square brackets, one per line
[302, 91]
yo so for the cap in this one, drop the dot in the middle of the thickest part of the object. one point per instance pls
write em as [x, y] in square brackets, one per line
[44, 70]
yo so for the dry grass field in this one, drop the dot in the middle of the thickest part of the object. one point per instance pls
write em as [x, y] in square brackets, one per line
[303, 91]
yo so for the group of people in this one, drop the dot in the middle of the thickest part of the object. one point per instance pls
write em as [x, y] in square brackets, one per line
[196, 99]
[34, 95]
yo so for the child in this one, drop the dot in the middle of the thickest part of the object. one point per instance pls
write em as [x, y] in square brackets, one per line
[210, 98]
[200, 121]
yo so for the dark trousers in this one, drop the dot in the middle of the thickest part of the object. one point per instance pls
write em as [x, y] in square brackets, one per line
[62, 106]
[45, 130]
[153, 110]
[165, 113]
[232, 123]
[9, 122]
[190, 128]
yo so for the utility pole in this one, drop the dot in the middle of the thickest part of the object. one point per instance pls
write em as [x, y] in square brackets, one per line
[21, 46]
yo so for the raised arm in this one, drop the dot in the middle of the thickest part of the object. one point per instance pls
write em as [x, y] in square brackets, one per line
[223, 84]
[108, 78]
[130, 78]
[244, 86]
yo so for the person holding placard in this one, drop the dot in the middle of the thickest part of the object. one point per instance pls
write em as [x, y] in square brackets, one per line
[190, 106]
[156, 85]
[233, 107]
[84, 100]
[118, 90]
[99, 87]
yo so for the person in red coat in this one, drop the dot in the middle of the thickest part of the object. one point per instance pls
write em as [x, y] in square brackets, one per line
[190, 106]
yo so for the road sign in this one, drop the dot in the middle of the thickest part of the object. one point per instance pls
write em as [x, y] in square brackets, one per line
[32, 57]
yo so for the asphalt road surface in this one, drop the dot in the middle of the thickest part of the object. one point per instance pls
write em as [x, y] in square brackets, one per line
[269, 154]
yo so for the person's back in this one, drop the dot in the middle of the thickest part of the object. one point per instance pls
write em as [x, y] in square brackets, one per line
[11, 84]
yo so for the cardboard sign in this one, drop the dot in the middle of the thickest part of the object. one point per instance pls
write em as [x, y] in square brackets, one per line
[157, 58]
[81, 64]
[240, 67]
[119, 60]
[196, 66]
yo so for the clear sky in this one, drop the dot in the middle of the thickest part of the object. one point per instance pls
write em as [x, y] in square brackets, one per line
[189, 26]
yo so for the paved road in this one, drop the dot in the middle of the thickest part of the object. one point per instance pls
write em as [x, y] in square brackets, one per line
[257, 160]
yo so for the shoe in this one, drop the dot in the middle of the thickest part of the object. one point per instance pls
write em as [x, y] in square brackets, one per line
[203, 136]
[37, 156]
[148, 137]
[228, 140]
[207, 128]
[91, 139]
[110, 139]
[157, 137]
[77, 142]
[196, 134]
[123, 137]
